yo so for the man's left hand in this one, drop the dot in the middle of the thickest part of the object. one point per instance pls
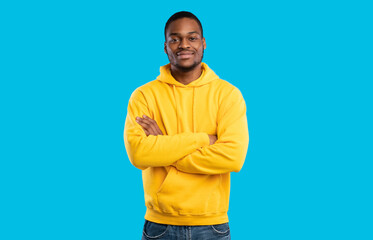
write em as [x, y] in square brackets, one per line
[149, 125]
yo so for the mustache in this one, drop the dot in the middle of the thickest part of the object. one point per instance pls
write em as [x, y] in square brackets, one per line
[185, 51]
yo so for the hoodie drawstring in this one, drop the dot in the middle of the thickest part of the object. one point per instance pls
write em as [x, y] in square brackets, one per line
[207, 76]
[177, 114]
[194, 128]
[193, 109]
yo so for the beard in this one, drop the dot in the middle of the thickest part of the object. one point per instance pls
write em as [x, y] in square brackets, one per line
[191, 67]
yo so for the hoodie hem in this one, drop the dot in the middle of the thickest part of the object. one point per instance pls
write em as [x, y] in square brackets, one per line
[185, 220]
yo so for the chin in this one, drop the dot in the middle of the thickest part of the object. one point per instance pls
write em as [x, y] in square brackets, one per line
[187, 67]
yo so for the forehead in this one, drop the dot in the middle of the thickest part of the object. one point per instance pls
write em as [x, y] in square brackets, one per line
[183, 26]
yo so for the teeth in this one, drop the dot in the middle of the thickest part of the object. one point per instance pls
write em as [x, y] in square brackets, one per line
[178, 54]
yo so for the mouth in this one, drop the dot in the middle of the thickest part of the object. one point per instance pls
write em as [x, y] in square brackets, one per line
[184, 55]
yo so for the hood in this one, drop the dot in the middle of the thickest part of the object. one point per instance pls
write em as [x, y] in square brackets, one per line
[206, 77]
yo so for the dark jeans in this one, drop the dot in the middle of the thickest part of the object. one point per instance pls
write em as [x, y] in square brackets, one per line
[171, 232]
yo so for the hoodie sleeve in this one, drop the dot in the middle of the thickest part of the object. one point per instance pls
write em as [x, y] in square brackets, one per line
[155, 151]
[229, 151]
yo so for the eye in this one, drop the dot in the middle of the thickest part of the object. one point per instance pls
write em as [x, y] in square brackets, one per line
[192, 38]
[173, 40]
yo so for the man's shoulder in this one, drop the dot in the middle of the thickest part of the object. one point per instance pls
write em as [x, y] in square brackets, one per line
[225, 86]
[225, 83]
[147, 87]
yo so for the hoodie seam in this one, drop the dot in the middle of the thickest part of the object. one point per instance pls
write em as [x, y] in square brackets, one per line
[146, 102]
[222, 110]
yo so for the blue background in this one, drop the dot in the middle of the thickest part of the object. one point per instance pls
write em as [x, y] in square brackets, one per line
[68, 69]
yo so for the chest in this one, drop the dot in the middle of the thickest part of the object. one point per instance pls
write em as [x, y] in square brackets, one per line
[186, 110]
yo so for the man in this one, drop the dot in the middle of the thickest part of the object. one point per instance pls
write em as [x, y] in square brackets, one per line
[186, 131]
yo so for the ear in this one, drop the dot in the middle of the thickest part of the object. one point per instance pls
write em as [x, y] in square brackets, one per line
[204, 43]
[165, 47]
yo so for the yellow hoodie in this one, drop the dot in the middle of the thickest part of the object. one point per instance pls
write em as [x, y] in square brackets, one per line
[187, 181]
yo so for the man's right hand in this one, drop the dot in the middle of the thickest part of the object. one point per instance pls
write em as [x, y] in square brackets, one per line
[213, 139]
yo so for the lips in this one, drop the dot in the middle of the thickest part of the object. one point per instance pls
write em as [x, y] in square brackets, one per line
[184, 54]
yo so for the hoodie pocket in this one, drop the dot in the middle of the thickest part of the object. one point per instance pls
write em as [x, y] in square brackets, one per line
[192, 194]
[167, 179]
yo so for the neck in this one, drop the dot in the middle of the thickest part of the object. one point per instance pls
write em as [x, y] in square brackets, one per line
[186, 77]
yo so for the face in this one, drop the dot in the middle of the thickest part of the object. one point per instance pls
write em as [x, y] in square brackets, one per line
[184, 44]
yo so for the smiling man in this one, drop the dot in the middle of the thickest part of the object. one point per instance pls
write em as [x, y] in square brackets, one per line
[187, 131]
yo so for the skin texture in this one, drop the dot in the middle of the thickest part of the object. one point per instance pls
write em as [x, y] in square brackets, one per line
[149, 125]
[184, 47]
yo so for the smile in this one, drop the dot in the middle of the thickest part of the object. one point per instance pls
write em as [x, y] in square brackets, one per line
[184, 55]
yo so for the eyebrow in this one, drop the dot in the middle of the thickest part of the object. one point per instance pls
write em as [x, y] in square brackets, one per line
[178, 34]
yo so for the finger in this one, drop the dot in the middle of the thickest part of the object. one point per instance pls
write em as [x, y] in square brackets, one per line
[154, 124]
[140, 121]
[159, 131]
[144, 127]
[146, 132]
[149, 127]
[143, 124]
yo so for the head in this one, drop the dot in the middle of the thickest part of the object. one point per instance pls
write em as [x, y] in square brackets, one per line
[184, 41]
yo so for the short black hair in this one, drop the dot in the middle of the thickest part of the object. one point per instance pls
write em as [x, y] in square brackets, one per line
[182, 14]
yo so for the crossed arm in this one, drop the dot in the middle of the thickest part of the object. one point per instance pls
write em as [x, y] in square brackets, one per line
[197, 153]
[150, 127]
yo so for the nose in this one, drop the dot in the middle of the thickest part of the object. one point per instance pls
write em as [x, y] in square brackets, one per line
[184, 43]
